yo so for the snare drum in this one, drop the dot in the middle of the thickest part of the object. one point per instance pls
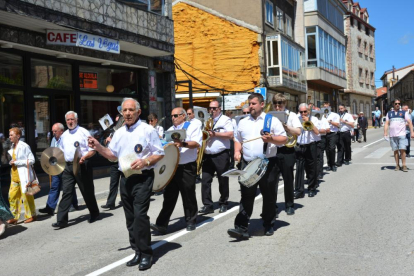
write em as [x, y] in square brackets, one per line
[255, 170]
[165, 169]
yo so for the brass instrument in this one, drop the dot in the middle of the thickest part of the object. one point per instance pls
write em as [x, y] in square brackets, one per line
[308, 125]
[208, 127]
[292, 139]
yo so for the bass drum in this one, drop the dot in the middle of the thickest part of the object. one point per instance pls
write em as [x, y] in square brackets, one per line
[165, 169]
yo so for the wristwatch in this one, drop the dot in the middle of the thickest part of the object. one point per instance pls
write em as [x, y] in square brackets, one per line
[148, 162]
[185, 144]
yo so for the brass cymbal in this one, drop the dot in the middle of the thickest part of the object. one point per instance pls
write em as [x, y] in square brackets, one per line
[52, 161]
[76, 159]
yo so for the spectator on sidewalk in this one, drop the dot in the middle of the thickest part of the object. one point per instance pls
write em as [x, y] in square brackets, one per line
[362, 127]
[355, 132]
[377, 114]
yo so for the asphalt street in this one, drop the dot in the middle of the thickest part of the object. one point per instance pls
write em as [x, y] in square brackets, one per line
[360, 223]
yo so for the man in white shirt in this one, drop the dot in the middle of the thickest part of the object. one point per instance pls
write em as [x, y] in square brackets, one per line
[250, 128]
[216, 159]
[286, 157]
[185, 176]
[307, 154]
[140, 141]
[73, 139]
[344, 145]
[324, 130]
[331, 138]
[192, 119]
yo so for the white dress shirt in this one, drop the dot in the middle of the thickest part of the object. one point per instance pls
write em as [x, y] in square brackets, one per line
[68, 140]
[196, 122]
[335, 118]
[193, 134]
[250, 128]
[344, 127]
[234, 123]
[160, 131]
[307, 137]
[217, 144]
[293, 120]
[126, 140]
[324, 124]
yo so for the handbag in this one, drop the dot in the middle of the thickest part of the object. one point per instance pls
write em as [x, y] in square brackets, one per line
[32, 186]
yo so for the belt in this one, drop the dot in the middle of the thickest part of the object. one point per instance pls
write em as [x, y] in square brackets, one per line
[331, 133]
[215, 154]
[304, 145]
[69, 163]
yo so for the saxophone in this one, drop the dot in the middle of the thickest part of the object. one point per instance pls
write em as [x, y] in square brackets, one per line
[208, 127]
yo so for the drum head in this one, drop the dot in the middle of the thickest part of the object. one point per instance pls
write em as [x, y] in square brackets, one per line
[250, 169]
[165, 169]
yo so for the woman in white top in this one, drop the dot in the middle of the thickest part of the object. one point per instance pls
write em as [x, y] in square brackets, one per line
[153, 121]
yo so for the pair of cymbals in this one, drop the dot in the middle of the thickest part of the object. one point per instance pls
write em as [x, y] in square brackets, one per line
[53, 161]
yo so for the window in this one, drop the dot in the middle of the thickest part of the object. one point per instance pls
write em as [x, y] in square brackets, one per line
[365, 48]
[367, 32]
[361, 78]
[359, 25]
[155, 6]
[269, 13]
[11, 69]
[371, 51]
[372, 79]
[366, 77]
[360, 45]
[352, 21]
[354, 107]
[311, 51]
[288, 26]
[53, 75]
[279, 18]
[273, 58]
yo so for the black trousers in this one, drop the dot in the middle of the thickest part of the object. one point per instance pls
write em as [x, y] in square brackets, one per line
[362, 132]
[136, 193]
[285, 160]
[344, 147]
[115, 175]
[219, 163]
[267, 188]
[231, 153]
[306, 159]
[183, 182]
[322, 147]
[331, 141]
[84, 179]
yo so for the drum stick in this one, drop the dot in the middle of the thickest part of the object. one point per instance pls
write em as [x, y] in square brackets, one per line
[254, 139]
[236, 163]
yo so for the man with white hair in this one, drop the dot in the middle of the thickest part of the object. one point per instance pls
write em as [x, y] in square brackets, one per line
[72, 140]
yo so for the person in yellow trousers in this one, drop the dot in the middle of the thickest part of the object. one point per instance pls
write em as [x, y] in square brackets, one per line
[21, 155]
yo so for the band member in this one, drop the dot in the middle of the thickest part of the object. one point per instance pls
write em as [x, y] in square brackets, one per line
[306, 154]
[192, 119]
[153, 120]
[139, 139]
[250, 128]
[344, 145]
[216, 159]
[73, 139]
[331, 138]
[324, 130]
[286, 155]
[184, 179]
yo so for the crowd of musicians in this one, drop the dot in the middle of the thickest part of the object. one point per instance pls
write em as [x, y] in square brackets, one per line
[257, 135]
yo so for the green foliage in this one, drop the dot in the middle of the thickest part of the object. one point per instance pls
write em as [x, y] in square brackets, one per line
[57, 82]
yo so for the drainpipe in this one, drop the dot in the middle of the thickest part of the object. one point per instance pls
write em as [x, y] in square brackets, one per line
[264, 43]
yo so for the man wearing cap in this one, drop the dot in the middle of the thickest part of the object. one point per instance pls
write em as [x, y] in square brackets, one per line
[362, 126]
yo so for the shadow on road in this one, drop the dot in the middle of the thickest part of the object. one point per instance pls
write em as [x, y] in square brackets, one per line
[13, 230]
[163, 250]
[391, 168]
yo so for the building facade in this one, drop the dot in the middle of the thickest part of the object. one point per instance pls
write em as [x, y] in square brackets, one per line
[392, 76]
[403, 89]
[360, 59]
[85, 56]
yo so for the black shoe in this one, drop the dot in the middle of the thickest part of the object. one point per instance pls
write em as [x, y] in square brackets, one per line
[59, 225]
[312, 193]
[191, 227]
[346, 162]
[146, 262]
[223, 209]
[239, 233]
[206, 210]
[338, 164]
[334, 168]
[134, 261]
[160, 229]
[290, 211]
[94, 218]
[107, 206]
[269, 231]
[320, 176]
[299, 195]
[328, 169]
[47, 210]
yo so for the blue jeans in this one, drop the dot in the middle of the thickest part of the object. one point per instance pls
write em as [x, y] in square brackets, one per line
[56, 186]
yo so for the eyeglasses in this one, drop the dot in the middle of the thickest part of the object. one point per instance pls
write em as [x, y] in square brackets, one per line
[303, 112]
[175, 115]
[213, 108]
[278, 102]
[246, 112]
[397, 103]
[189, 114]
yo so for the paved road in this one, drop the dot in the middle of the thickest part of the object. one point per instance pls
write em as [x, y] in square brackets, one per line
[360, 223]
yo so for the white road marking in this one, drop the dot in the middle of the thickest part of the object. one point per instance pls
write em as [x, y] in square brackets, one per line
[378, 153]
[382, 139]
[169, 239]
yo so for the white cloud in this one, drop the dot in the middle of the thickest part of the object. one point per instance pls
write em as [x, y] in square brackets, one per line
[405, 39]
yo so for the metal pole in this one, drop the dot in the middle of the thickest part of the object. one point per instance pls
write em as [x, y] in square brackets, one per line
[190, 93]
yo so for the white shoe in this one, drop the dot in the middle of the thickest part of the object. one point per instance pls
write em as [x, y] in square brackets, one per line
[2, 227]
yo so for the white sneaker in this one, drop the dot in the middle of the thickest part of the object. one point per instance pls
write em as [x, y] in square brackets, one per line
[2, 227]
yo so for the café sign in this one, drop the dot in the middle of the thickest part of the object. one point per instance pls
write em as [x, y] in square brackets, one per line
[84, 40]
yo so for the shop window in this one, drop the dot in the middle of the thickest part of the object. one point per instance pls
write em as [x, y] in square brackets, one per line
[11, 69]
[106, 80]
[52, 75]
[42, 124]
[12, 115]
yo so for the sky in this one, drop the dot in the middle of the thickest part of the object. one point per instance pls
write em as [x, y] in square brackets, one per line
[394, 35]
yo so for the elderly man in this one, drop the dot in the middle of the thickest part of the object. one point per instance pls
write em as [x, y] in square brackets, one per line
[362, 127]
[55, 187]
[184, 179]
[139, 141]
[72, 140]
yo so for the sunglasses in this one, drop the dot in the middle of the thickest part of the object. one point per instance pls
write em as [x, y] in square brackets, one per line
[175, 115]
[301, 112]
[246, 112]
[278, 102]
[397, 103]
[213, 108]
